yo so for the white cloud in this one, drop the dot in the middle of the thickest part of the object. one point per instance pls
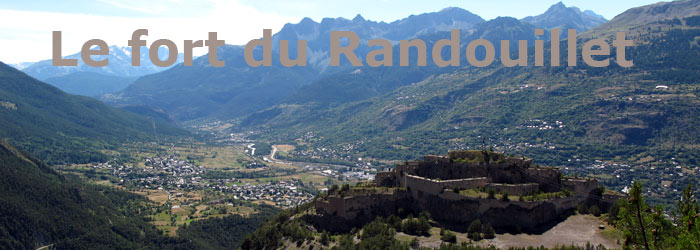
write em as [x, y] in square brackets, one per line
[126, 6]
[25, 36]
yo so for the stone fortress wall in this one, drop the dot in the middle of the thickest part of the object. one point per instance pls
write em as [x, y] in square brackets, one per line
[431, 186]
[509, 171]
[428, 184]
[514, 189]
[350, 207]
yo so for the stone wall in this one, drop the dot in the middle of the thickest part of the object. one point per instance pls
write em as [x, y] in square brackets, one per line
[437, 159]
[548, 178]
[431, 186]
[514, 189]
[608, 201]
[385, 179]
[364, 205]
[508, 171]
[581, 187]
[447, 207]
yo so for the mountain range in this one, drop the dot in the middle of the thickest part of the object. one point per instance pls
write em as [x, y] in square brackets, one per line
[94, 81]
[606, 111]
[237, 89]
[561, 17]
[386, 104]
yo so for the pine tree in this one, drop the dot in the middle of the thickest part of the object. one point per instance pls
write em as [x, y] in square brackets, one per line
[488, 231]
[474, 230]
[642, 226]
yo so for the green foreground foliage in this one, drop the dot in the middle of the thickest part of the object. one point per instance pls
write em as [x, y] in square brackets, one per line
[646, 227]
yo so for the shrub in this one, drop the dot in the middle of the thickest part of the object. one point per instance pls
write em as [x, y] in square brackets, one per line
[488, 231]
[582, 208]
[449, 237]
[492, 194]
[394, 221]
[325, 238]
[474, 230]
[505, 197]
[333, 189]
[414, 226]
[423, 226]
[414, 243]
[424, 214]
[594, 210]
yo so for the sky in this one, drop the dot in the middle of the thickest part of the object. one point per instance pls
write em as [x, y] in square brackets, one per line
[26, 25]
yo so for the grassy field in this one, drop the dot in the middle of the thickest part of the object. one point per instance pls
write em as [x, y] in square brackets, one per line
[476, 193]
[224, 157]
[479, 194]
[284, 147]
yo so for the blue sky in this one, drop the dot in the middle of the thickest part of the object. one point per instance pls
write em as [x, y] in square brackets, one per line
[379, 10]
[26, 25]
[384, 10]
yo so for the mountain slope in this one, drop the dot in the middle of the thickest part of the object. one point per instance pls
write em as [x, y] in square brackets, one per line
[60, 128]
[205, 92]
[93, 81]
[317, 35]
[599, 113]
[200, 90]
[119, 64]
[652, 13]
[89, 83]
[558, 16]
[359, 83]
[39, 207]
[21, 65]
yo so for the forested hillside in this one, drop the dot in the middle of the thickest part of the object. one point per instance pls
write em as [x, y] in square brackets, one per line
[40, 207]
[62, 128]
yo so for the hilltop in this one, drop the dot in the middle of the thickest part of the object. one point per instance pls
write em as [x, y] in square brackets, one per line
[478, 193]
[558, 16]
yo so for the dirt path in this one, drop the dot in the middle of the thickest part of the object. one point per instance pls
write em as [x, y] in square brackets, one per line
[577, 230]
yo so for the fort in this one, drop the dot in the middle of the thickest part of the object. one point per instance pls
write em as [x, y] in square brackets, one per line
[509, 193]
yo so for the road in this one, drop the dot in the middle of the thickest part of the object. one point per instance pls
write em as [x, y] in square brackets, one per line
[274, 151]
[250, 146]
